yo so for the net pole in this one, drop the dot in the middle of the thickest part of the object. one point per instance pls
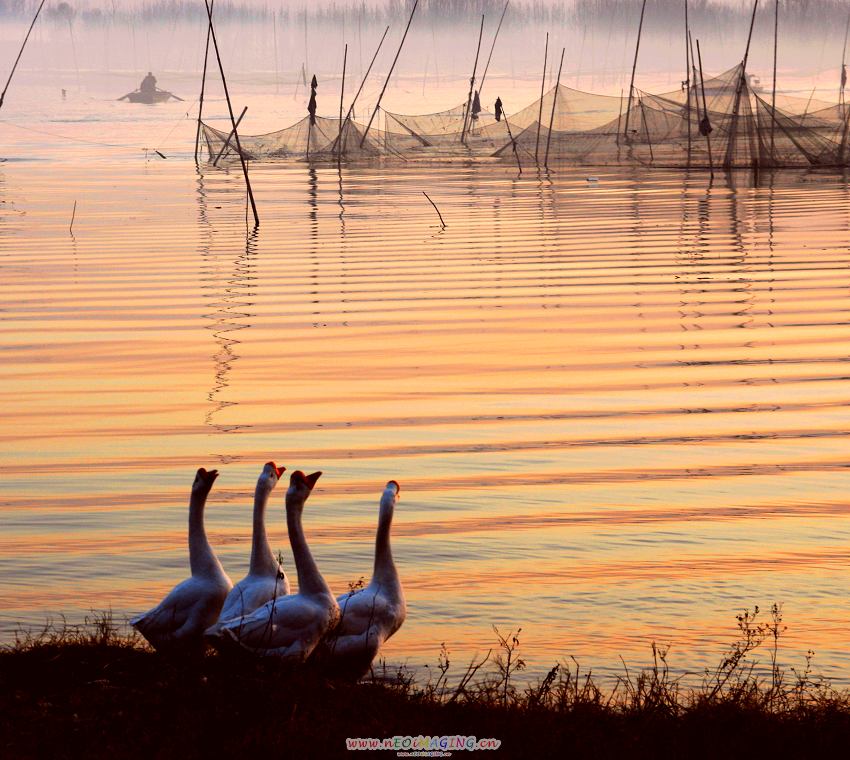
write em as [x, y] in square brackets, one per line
[389, 75]
[841, 98]
[203, 85]
[513, 143]
[229, 138]
[232, 117]
[540, 110]
[20, 53]
[493, 46]
[688, 82]
[634, 69]
[705, 111]
[736, 107]
[646, 129]
[341, 96]
[359, 89]
[619, 120]
[552, 116]
[472, 81]
[843, 63]
[773, 92]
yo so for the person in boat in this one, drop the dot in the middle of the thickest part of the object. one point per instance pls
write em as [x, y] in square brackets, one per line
[148, 85]
[498, 109]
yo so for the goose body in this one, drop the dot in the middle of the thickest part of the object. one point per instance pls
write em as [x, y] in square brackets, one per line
[193, 605]
[266, 579]
[290, 627]
[370, 616]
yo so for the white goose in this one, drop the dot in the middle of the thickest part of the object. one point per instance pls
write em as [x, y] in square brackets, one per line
[193, 605]
[266, 578]
[368, 617]
[291, 626]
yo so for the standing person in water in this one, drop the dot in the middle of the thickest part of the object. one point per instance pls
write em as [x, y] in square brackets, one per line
[311, 106]
[148, 83]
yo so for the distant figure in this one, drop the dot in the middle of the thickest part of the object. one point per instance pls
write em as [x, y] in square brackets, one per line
[64, 93]
[843, 76]
[311, 106]
[148, 84]
[498, 109]
[476, 106]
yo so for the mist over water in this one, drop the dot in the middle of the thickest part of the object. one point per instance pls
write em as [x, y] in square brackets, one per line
[617, 410]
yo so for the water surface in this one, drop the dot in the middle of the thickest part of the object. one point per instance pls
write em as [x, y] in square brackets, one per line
[617, 409]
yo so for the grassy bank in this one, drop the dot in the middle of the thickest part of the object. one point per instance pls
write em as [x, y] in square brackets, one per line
[90, 692]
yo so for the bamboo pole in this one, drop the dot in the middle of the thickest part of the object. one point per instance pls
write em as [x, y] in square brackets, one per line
[232, 118]
[634, 69]
[472, 81]
[20, 53]
[688, 82]
[552, 116]
[360, 88]
[841, 98]
[492, 47]
[705, 111]
[542, 87]
[733, 131]
[773, 94]
[203, 85]
[843, 65]
[341, 96]
[511, 137]
[646, 129]
[387, 81]
[229, 137]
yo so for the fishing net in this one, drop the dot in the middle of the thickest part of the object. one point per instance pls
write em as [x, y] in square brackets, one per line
[726, 122]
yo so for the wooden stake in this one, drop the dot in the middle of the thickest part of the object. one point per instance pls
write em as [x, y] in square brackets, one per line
[73, 215]
[203, 86]
[542, 87]
[634, 69]
[384, 89]
[232, 118]
[435, 208]
[472, 82]
[554, 101]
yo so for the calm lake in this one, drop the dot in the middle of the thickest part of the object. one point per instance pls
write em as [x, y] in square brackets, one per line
[618, 409]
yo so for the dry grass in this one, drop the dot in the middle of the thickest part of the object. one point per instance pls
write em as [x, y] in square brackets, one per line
[90, 691]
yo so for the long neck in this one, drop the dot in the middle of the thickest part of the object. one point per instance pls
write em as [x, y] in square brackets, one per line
[310, 580]
[385, 571]
[202, 560]
[262, 559]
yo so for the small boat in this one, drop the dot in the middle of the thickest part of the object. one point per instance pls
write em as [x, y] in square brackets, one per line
[151, 97]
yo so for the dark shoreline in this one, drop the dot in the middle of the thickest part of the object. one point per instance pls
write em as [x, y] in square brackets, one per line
[93, 693]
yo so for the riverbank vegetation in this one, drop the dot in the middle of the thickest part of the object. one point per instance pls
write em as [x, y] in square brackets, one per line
[92, 691]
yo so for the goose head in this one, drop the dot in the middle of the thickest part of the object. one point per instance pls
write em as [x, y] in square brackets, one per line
[300, 486]
[391, 492]
[204, 480]
[270, 475]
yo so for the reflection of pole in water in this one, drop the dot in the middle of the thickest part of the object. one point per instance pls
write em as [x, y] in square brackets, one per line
[229, 291]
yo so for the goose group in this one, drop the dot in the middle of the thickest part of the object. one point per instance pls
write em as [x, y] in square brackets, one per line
[341, 634]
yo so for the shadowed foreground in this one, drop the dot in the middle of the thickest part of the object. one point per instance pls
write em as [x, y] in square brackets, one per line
[90, 692]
